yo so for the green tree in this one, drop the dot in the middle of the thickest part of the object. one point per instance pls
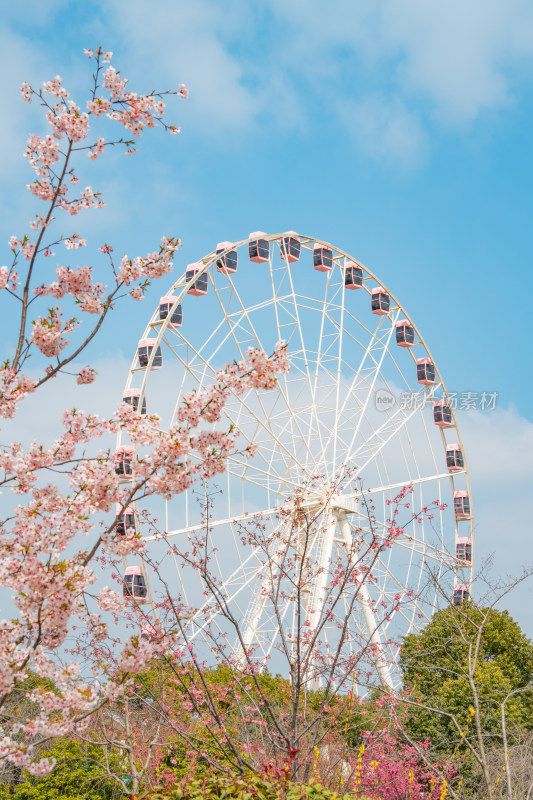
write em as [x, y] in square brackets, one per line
[464, 667]
[19, 707]
[78, 773]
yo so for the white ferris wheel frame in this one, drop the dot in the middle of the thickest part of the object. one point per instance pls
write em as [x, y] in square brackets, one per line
[338, 506]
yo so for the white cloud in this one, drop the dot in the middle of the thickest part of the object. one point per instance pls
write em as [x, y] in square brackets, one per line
[19, 61]
[461, 58]
[385, 129]
[501, 443]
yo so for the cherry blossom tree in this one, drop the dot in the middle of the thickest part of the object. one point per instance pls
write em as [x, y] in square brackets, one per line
[50, 539]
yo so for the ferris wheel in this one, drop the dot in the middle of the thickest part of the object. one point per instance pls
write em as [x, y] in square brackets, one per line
[362, 413]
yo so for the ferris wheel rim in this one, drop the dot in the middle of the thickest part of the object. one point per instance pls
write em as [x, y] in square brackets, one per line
[181, 286]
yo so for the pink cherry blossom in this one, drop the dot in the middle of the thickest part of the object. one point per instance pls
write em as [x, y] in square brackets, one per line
[72, 242]
[99, 106]
[69, 122]
[86, 375]
[114, 83]
[137, 293]
[26, 92]
[108, 600]
[97, 149]
[55, 88]
[48, 333]
[13, 388]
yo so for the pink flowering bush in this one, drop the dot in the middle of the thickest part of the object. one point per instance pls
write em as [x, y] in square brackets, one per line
[49, 544]
[389, 769]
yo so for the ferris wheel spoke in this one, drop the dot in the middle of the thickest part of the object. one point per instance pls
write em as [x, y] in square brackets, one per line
[380, 437]
[229, 591]
[383, 566]
[253, 339]
[262, 478]
[420, 547]
[297, 327]
[217, 336]
[382, 343]
[372, 384]
[319, 363]
[252, 515]
[292, 424]
[204, 615]
[247, 314]
[387, 596]
[285, 451]
[339, 373]
[260, 598]
[401, 484]
[429, 392]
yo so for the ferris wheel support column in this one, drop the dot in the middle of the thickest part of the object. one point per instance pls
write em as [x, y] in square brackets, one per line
[318, 590]
[257, 605]
[363, 594]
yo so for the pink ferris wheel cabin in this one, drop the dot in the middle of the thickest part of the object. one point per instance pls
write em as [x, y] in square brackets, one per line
[131, 396]
[353, 275]
[322, 258]
[442, 414]
[200, 285]
[461, 505]
[425, 371]
[165, 304]
[134, 587]
[380, 301]
[454, 458]
[405, 333]
[144, 351]
[150, 634]
[123, 460]
[259, 247]
[463, 550]
[460, 594]
[227, 261]
[126, 520]
[290, 247]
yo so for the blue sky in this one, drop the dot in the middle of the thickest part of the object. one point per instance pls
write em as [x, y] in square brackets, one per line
[400, 130]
